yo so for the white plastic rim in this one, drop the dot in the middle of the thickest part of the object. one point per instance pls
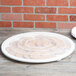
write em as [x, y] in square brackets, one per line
[73, 32]
[6, 43]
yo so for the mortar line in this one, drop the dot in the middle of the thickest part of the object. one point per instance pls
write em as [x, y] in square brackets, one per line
[39, 21]
[68, 14]
[39, 13]
[45, 18]
[57, 26]
[57, 22]
[22, 17]
[34, 25]
[22, 13]
[11, 10]
[12, 24]
[37, 6]
[45, 2]
[22, 3]
[33, 10]
[57, 11]
[69, 3]
[34, 13]
[32, 21]
[68, 18]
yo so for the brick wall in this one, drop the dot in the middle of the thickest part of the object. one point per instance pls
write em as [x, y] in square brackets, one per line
[38, 13]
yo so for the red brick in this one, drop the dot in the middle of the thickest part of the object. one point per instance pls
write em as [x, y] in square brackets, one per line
[24, 24]
[45, 25]
[72, 18]
[66, 25]
[73, 2]
[22, 9]
[57, 18]
[67, 10]
[5, 10]
[57, 2]
[5, 24]
[11, 2]
[34, 17]
[11, 17]
[45, 10]
[34, 2]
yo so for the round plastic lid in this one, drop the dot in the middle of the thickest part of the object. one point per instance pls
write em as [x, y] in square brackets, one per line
[37, 47]
[73, 32]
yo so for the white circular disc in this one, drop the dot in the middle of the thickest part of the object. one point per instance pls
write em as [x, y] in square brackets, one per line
[37, 47]
[73, 32]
